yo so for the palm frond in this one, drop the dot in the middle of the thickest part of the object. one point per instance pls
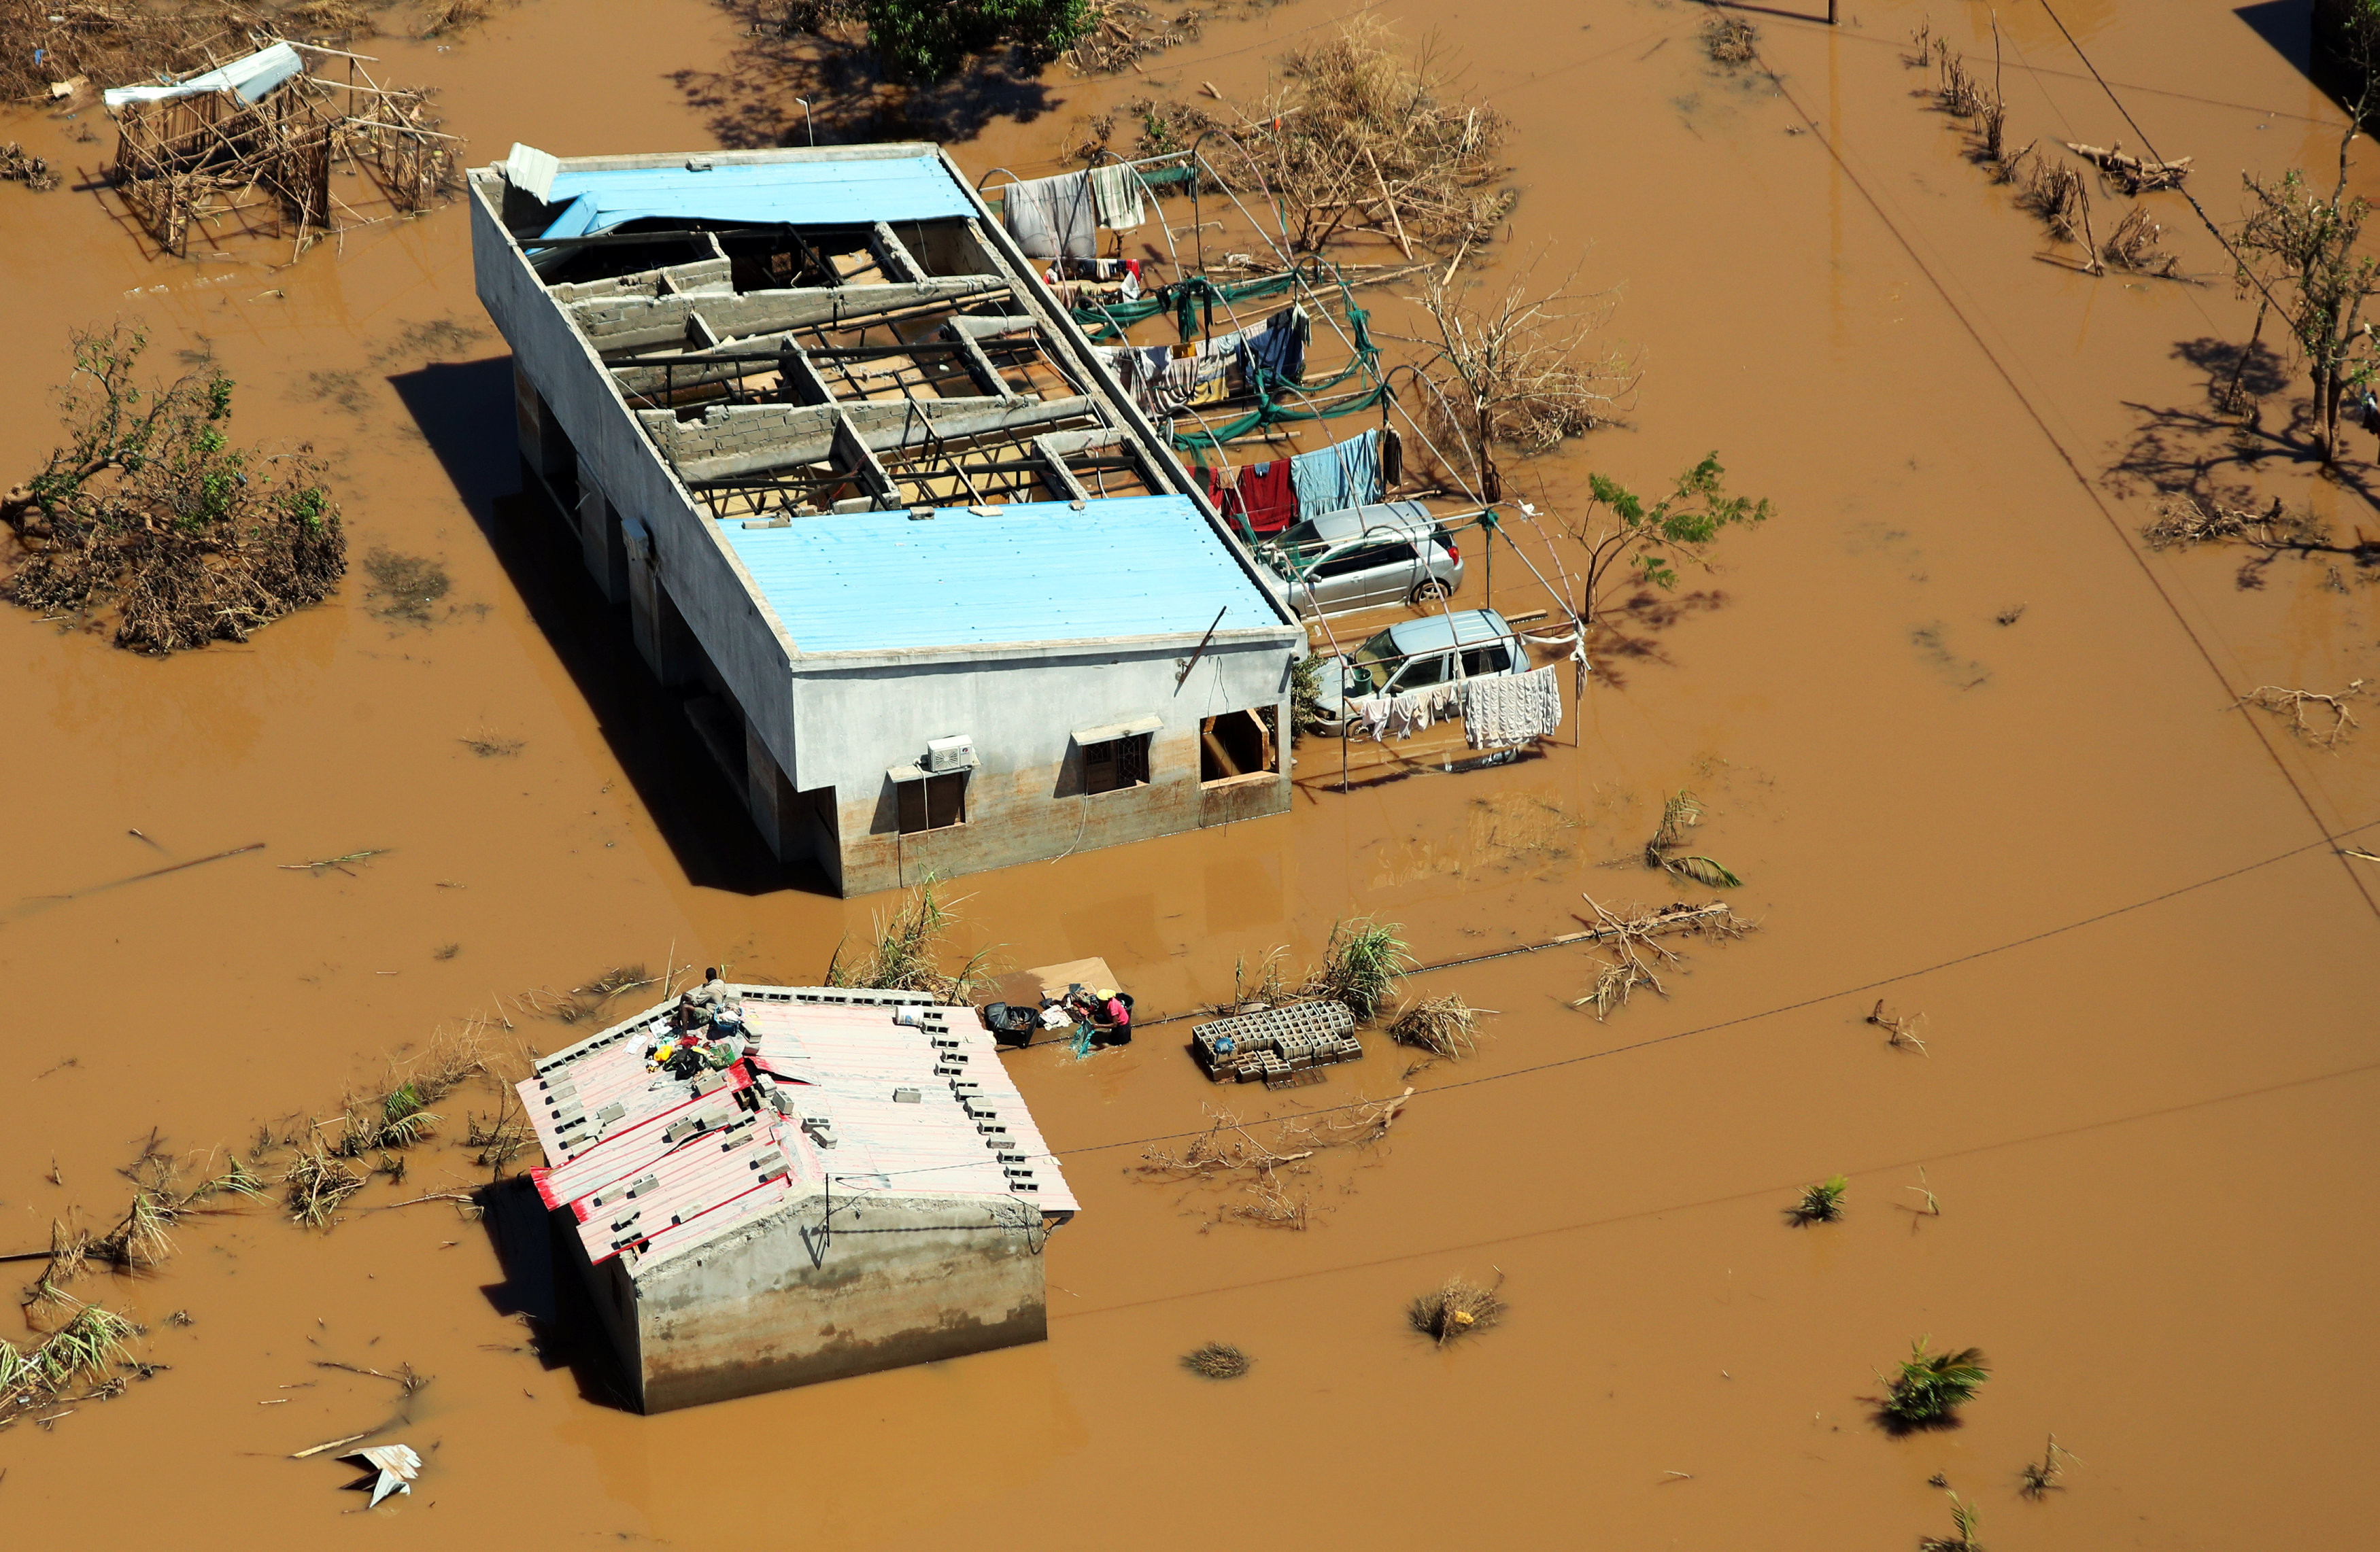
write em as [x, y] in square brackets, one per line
[1702, 870]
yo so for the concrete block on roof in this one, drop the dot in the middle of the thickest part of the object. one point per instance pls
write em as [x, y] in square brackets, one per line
[704, 1218]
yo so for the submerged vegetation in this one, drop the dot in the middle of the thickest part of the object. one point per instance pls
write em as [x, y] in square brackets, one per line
[149, 511]
[1218, 1361]
[1822, 1203]
[1631, 542]
[1526, 371]
[1362, 965]
[906, 951]
[93, 1344]
[1962, 1539]
[1360, 129]
[1679, 814]
[1446, 1026]
[1457, 1308]
[1931, 1387]
[2036, 1478]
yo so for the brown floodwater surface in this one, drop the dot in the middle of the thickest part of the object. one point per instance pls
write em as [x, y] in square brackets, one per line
[2145, 1109]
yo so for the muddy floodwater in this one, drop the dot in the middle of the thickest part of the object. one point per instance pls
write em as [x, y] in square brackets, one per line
[1971, 747]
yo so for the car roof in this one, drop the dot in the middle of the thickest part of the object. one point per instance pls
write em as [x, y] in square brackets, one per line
[1405, 517]
[1466, 628]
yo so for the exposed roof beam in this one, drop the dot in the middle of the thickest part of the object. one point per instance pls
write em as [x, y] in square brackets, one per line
[978, 365]
[852, 452]
[625, 322]
[893, 255]
[749, 439]
[1053, 468]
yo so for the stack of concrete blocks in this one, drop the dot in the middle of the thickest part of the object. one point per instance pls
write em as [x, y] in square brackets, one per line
[1273, 1045]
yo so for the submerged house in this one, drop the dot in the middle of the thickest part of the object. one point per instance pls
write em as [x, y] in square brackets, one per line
[861, 1190]
[816, 420]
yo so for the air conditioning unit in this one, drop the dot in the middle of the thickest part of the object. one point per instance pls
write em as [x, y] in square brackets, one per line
[946, 755]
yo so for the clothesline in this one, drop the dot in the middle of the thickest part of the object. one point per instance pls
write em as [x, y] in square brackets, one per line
[1498, 710]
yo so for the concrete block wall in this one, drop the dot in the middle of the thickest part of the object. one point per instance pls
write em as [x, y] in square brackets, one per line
[702, 276]
[725, 429]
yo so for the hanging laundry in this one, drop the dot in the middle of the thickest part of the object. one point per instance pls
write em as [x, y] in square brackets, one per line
[1116, 192]
[1052, 216]
[1384, 717]
[1279, 347]
[1267, 497]
[1335, 477]
[1198, 380]
[1501, 709]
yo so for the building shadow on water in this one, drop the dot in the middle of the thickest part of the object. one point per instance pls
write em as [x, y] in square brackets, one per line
[465, 411]
[2288, 26]
[542, 1288]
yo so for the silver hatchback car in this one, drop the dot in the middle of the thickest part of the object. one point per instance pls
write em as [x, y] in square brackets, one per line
[1361, 557]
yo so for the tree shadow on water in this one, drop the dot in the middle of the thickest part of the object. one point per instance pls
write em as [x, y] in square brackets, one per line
[2222, 438]
[2234, 433]
[753, 103]
[1629, 629]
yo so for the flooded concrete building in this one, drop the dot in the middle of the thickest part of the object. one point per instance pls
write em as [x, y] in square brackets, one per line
[860, 1189]
[950, 601]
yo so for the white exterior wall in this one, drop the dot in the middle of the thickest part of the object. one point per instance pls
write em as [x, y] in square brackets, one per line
[745, 641]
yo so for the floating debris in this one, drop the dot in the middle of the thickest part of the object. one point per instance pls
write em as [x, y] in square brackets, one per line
[1218, 1361]
[397, 1464]
[1457, 1309]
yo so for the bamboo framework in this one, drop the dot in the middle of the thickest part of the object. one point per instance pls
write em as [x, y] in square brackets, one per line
[211, 164]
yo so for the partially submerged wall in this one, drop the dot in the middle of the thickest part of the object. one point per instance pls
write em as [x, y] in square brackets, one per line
[896, 1282]
[859, 713]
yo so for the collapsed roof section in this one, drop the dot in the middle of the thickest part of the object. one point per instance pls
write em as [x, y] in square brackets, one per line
[840, 1092]
[800, 334]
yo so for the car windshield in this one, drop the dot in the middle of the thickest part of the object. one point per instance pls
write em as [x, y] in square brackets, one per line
[1379, 657]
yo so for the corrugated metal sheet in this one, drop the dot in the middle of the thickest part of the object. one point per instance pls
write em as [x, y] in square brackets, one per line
[842, 192]
[251, 77]
[645, 1159]
[1030, 571]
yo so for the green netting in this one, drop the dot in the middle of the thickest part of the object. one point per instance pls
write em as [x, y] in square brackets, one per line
[1192, 302]
[1279, 400]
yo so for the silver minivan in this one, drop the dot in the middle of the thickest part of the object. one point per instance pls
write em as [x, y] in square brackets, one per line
[1417, 654]
[1361, 557]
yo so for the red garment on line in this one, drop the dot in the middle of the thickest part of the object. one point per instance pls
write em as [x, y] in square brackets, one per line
[1260, 492]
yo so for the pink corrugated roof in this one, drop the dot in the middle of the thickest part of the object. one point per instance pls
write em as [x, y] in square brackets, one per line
[662, 1164]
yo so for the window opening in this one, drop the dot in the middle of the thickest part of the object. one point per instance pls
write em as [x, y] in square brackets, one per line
[1422, 673]
[1116, 764]
[933, 803]
[1485, 660]
[1364, 558]
[1236, 743]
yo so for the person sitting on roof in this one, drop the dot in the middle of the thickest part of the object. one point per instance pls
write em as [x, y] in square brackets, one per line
[713, 992]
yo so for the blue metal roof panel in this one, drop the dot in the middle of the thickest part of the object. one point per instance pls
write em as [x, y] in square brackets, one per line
[835, 193]
[1030, 571]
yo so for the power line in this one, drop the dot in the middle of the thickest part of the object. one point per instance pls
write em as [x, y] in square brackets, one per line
[2155, 155]
[1755, 1192]
[2331, 841]
[2041, 423]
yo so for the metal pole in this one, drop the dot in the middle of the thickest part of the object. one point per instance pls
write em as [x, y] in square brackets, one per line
[1487, 527]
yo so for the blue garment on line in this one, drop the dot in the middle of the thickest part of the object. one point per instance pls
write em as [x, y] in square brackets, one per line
[1335, 477]
[1279, 347]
